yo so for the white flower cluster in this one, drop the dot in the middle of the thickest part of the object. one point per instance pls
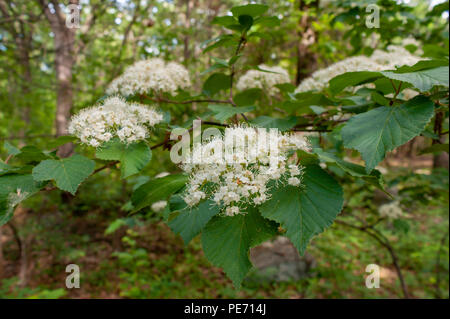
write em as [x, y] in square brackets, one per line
[159, 206]
[391, 210]
[235, 175]
[153, 75]
[114, 118]
[379, 61]
[263, 80]
[393, 57]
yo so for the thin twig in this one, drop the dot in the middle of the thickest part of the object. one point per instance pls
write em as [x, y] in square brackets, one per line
[386, 244]
[164, 100]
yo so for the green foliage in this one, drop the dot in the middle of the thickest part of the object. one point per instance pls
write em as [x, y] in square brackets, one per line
[215, 83]
[224, 112]
[226, 241]
[68, 173]
[157, 189]
[252, 10]
[380, 130]
[13, 190]
[189, 222]
[305, 212]
[133, 157]
[424, 80]
[283, 124]
[424, 75]
[353, 169]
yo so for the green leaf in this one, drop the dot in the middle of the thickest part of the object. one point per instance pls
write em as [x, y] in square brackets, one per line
[68, 173]
[60, 140]
[156, 190]
[221, 41]
[435, 148]
[224, 112]
[422, 80]
[189, 222]
[11, 149]
[340, 82]
[375, 178]
[224, 20]
[378, 98]
[286, 87]
[247, 97]
[270, 122]
[31, 154]
[380, 130]
[226, 241]
[267, 21]
[246, 21]
[305, 211]
[24, 183]
[215, 83]
[252, 10]
[311, 98]
[133, 157]
[5, 168]
[13, 190]
[214, 67]
[422, 65]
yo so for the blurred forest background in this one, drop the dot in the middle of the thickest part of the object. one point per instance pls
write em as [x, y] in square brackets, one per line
[49, 71]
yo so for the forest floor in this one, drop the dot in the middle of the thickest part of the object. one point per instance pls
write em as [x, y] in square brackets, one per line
[144, 259]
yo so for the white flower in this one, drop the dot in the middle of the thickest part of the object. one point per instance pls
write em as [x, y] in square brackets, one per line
[391, 210]
[232, 210]
[379, 61]
[159, 206]
[115, 117]
[235, 175]
[294, 181]
[394, 56]
[162, 174]
[263, 80]
[153, 75]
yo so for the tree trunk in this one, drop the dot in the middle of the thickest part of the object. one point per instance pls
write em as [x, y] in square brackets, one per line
[440, 160]
[306, 59]
[187, 25]
[63, 65]
[22, 36]
[64, 60]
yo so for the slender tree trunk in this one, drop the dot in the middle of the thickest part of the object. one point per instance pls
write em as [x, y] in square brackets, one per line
[187, 25]
[64, 41]
[440, 160]
[24, 59]
[306, 59]
[22, 35]
[63, 66]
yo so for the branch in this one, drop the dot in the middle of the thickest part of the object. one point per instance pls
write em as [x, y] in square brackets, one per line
[164, 100]
[371, 231]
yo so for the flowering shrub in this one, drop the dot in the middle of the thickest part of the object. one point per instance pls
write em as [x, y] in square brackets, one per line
[265, 78]
[153, 75]
[130, 122]
[235, 175]
[239, 197]
[380, 60]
